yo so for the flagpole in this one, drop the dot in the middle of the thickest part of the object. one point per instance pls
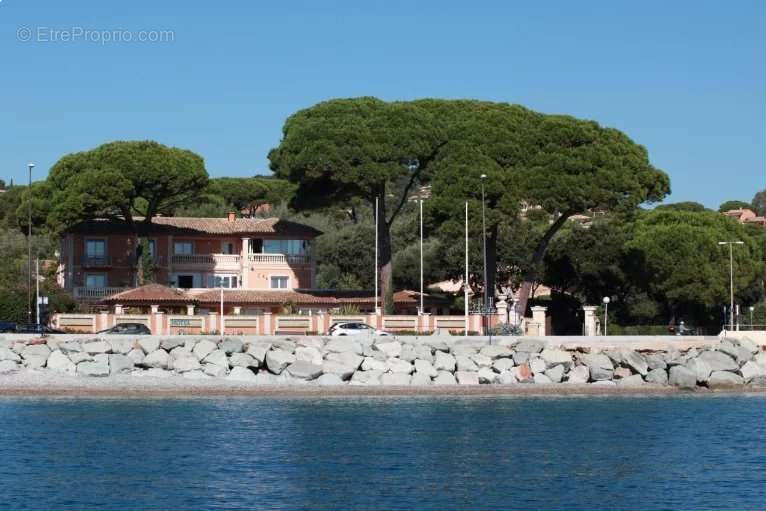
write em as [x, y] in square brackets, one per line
[376, 255]
[465, 279]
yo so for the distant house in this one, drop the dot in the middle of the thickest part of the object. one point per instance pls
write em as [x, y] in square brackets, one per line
[98, 257]
[746, 216]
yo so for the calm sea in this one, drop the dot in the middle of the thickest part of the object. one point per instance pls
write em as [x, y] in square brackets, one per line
[499, 453]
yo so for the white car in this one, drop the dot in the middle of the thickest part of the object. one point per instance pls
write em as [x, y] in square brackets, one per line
[354, 328]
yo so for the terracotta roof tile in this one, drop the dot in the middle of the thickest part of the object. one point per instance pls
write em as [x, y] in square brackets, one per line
[149, 293]
[191, 226]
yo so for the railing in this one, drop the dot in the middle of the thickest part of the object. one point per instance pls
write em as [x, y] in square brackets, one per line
[95, 293]
[96, 261]
[278, 259]
[206, 259]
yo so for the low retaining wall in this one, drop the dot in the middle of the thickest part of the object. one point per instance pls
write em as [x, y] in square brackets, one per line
[684, 362]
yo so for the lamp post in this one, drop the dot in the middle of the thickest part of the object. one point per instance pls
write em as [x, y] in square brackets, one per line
[30, 166]
[421, 257]
[465, 279]
[606, 301]
[484, 249]
[731, 278]
[751, 317]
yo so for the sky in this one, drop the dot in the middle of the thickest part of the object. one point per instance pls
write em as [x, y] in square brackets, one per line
[686, 79]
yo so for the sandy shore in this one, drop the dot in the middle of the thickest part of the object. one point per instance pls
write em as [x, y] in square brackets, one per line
[126, 386]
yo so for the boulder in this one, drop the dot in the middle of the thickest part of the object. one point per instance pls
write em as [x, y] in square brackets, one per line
[373, 364]
[284, 344]
[615, 356]
[59, 362]
[258, 351]
[426, 368]
[487, 375]
[622, 372]
[214, 370]
[420, 379]
[308, 354]
[465, 350]
[529, 346]
[658, 376]
[749, 371]
[496, 352]
[655, 361]
[631, 381]
[96, 347]
[604, 383]
[158, 358]
[502, 364]
[464, 363]
[278, 359]
[304, 370]
[365, 377]
[329, 380]
[579, 374]
[467, 377]
[683, 377]
[241, 374]
[344, 371]
[747, 344]
[310, 342]
[506, 378]
[242, 360]
[521, 357]
[396, 365]
[190, 344]
[735, 351]
[700, 368]
[180, 352]
[395, 379]
[348, 358]
[7, 354]
[119, 363]
[553, 357]
[137, 355]
[232, 345]
[149, 344]
[599, 365]
[99, 367]
[423, 352]
[555, 373]
[408, 353]
[391, 349]
[540, 378]
[444, 362]
[8, 366]
[196, 375]
[445, 378]
[760, 359]
[482, 360]
[185, 364]
[217, 357]
[522, 373]
[537, 365]
[719, 379]
[266, 378]
[718, 361]
[204, 348]
[80, 356]
[68, 347]
[169, 343]
[635, 361]
[121, 346]
[35, 361]
[343, 344]
[36, 350]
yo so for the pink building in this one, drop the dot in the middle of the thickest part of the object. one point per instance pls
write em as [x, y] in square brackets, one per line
[98, 258]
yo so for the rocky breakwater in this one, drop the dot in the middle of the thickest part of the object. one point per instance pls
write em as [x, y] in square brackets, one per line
[386, 361]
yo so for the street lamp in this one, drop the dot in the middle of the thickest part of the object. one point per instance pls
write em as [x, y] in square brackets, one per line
[606, 301]
[484, 239]
[751, 317]
[731, 278]
[30, 166]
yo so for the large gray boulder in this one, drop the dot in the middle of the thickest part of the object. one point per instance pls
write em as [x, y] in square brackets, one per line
[121, 346]
[555, 373]
[304, 370]
[137, 355]
[214, 370]
[657, 376]
[36, 350]
[308, 354]
[599, 365]
[420, 379]
[408, 353]
[495, 351]
[720, 379]
[8, 366]
[242, 360]
[502, 364]
[423, 352]
[8, 354]
[241, 374]
[537, 365]
[343, 344]
[392, 349]
[364, 377]
[396, 365]
[700, 368]
[158, 358]
[487, 375]
[444, 362]
[80, 356]
[521, 357]
[329, 380]
[445, 378]
[506, 378]
[343, 371]
[204, 348]
[98, 367]
[718, 361]
[119, 363]
[258, 351]
[464, 363]
[467, 377]
[59, 362]
[655, 361]
[395, 379]
[169, 343]
[149, 344]
[631, 381]
[96, 347]
[747, 344]
[481, 360]
[348, 358]
[185, 364]
[426, 368]
[541, 379]
[635, 361]
[553, 357]
[735, 351]
[373, 364]
[277, 360]
[529, 346]
[579, 374]
[683, 377]
[749, 371]
[68, 347]
[232, 345]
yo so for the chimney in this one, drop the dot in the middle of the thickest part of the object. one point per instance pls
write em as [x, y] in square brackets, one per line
[231, 216]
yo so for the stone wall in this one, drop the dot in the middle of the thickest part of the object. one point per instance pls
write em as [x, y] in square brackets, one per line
[388, 360]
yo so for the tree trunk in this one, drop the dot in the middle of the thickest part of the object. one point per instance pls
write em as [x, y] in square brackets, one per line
[385, 258]
[491, 263]
[530, 276]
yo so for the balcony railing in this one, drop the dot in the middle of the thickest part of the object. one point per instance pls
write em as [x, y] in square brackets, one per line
[278, 259]
[205, 259]
[96, 261]
[95, 293]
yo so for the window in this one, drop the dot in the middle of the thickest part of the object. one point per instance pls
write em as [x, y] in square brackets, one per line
[227, 281]
[227, 247]
[186, 281]
[279, 282]
[183, 248]
[287, 247]
[152, 248]
[95, 250]
[94, 280]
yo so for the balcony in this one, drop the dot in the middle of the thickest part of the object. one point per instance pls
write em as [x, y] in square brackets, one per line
[94, 294]
[279, 259]
[217, 261]
[100, 261]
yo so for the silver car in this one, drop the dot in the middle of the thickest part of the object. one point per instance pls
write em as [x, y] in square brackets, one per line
[354, 328]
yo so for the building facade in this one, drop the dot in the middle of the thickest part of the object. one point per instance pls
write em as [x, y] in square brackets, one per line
[100, 258]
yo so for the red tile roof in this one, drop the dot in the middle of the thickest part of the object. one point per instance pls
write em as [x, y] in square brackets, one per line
[206, 226]
[154, 293]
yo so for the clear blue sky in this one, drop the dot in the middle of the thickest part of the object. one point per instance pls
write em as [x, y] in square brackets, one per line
[684, 78]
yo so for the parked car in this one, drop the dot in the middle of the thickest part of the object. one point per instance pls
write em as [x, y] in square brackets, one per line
[37, 329]
[127, 329]
[354, 328]
[7, 327]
